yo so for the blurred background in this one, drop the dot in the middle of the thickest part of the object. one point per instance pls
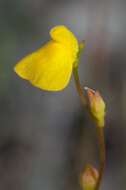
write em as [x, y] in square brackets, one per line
[46, 138]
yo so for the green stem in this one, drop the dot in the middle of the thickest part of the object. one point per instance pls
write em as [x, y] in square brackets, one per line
[102, 154]
[99, 129]
[79, 90]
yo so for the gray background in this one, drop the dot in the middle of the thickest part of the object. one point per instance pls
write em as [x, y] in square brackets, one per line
[46, 138]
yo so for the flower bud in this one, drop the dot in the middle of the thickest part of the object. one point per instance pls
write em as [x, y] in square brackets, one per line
[97, 106]
[88, 178]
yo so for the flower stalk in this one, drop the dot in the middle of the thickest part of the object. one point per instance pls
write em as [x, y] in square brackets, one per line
[99, 129]
[102, 154]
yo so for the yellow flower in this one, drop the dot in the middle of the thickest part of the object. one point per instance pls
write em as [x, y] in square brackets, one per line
[50, 67]
[97, 106]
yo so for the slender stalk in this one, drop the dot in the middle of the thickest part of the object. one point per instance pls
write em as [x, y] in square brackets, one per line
[99, 129]
[79, 90]
[102, 154]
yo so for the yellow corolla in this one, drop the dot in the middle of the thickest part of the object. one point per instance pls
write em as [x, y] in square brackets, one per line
[50, 67]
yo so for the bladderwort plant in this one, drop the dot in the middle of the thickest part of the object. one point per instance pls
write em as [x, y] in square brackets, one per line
[50, 68]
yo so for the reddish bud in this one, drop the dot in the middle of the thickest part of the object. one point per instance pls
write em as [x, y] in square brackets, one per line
[97, 106]
[88, 178]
